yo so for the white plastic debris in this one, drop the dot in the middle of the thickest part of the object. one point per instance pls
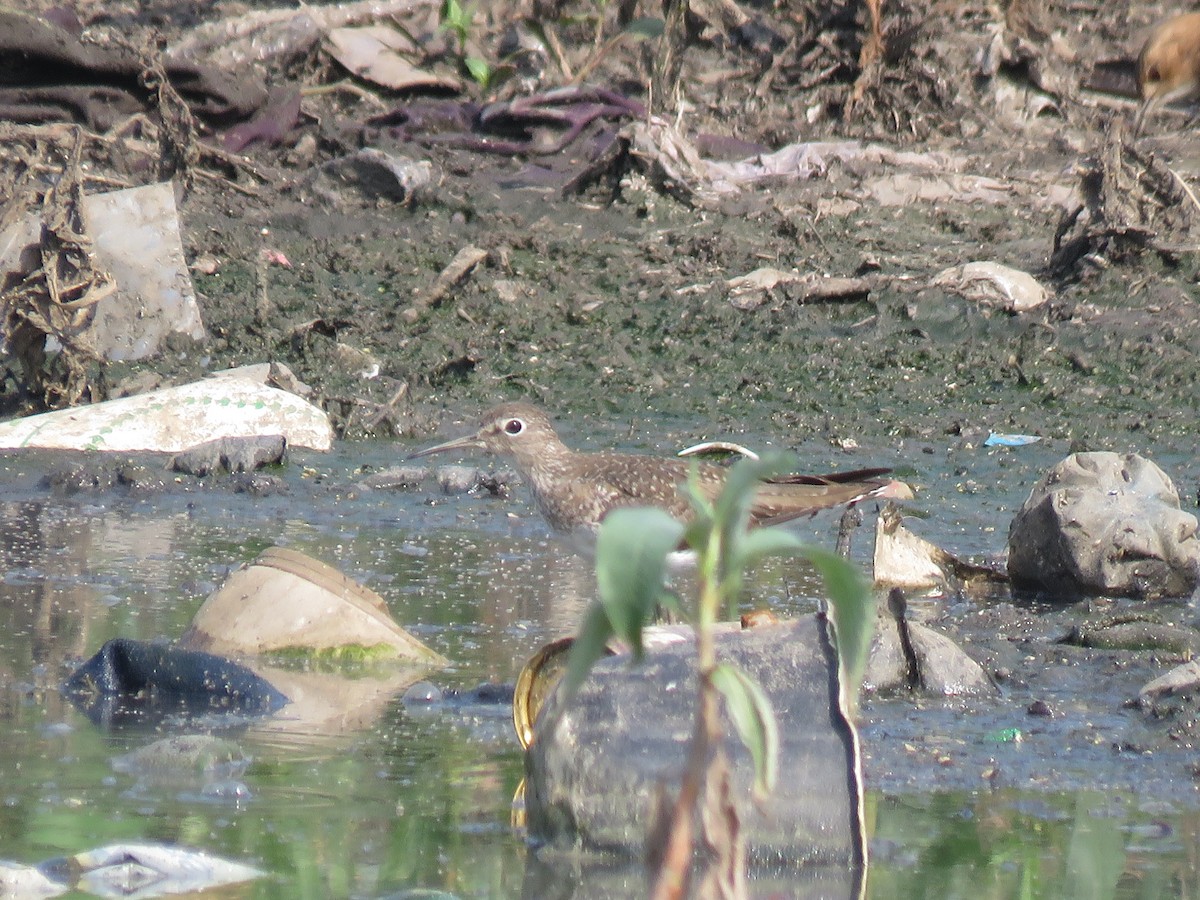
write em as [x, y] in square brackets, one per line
[133, 870]
[173, 419]
[153, 870]
[135, 237]
[994, 284]
[285, 600]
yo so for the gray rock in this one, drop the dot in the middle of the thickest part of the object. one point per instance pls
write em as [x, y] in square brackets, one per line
[457, 479]
[375, 174]
[1102, 523]
[595, 766]
[919, 658]
[395, 478]
[468, 479]
[232, 454]
[1182, 678]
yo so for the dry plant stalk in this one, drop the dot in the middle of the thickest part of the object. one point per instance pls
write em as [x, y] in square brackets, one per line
[179, 152]
[666, 90]
[57, 299]
[1132, 202]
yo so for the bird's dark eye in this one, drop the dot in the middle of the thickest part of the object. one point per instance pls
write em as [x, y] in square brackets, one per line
[514, 426]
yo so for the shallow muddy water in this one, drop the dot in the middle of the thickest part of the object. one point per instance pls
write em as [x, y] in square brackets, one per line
[965, 799]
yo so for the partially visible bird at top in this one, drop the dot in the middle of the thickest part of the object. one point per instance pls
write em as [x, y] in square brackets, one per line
[1168, 67]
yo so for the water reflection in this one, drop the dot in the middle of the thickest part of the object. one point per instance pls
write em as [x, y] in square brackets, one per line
[1008, 844]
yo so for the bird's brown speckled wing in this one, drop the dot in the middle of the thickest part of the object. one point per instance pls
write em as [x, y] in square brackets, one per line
[629, 480]
[614, 481]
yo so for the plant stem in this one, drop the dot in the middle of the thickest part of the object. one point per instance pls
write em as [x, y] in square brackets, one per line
[671, 879]
[673, 875]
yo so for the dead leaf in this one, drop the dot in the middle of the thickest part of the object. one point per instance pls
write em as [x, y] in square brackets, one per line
[377, 54]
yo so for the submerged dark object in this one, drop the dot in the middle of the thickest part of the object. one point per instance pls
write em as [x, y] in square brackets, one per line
[129, 678]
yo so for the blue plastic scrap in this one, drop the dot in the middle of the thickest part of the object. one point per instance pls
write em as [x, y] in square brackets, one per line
[1010, 440]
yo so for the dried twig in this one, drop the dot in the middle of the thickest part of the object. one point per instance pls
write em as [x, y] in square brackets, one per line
[345, 86]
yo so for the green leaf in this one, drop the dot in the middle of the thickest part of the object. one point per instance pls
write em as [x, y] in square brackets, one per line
[745, 550]
[733, 506]
[853, 613]
[631, 563]
[741, 486]
[752, 715]
[646, 28]
[453, 18]
[479, 70]
[588, 647]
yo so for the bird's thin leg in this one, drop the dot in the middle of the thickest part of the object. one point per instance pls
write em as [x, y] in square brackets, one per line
[851, 519]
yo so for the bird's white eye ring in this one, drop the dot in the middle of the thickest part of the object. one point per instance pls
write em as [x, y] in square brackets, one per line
[514, 427]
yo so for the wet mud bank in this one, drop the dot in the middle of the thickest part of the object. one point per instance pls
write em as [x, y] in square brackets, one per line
[623, 312]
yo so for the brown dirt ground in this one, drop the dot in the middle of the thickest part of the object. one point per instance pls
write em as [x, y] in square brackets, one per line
[613, 304]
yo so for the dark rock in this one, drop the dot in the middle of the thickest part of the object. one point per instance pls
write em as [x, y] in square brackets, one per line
[139, 478]
[375, 174]
[1135, 634]
[1101, 523]
[107, 473]
[258, 484]
[496, 483]
[1040, 708]
[235, 454]
[79, 479]
[489, 693]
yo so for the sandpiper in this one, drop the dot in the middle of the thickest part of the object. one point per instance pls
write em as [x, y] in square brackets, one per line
[576, 490]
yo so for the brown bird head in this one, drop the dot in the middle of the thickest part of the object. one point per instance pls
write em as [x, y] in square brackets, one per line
[518, 430]
[1168, 66]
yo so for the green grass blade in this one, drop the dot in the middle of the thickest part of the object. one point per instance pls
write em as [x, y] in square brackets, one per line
[757, 545]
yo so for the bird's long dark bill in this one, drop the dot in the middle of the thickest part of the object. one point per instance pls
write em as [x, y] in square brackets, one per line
[470, 442]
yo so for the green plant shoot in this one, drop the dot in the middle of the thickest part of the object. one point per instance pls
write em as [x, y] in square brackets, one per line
[631, 567]
[459, 19]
